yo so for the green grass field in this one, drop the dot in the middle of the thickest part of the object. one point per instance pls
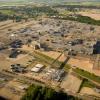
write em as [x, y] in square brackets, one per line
[87, 75]
[7, 12]
[14, 3]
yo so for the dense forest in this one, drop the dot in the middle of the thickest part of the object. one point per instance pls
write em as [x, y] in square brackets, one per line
[36, 92]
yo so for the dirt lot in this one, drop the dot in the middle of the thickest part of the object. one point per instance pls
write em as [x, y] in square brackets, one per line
[12, 90]
[22, 59]
[4, 62]
[71, 83]
[14, 26]
[82, 63]
[89, 91]
[5, 23]
[54, 55]
[27, 48]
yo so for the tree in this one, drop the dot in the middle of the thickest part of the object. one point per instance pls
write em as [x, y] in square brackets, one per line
[36, 92]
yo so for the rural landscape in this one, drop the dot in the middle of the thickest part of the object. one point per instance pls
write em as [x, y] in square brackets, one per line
[49, 49]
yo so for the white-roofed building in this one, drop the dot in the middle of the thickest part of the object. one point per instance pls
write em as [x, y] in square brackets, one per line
[37, 68]
[39, 65]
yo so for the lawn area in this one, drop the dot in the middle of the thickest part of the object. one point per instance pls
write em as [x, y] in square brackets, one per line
[87, 75]
[7, 12]
[87, 83]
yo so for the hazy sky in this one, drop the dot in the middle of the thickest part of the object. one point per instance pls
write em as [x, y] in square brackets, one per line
[48, 0]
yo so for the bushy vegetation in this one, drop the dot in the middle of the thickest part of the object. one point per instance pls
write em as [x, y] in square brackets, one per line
[3, 17]
[36, 92]
[80, 18]
[88, 20]
[32, 11]
[16, 18]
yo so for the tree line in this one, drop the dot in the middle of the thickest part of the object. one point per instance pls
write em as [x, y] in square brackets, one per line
[80, 18]
[36, 92]
[23, 13]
